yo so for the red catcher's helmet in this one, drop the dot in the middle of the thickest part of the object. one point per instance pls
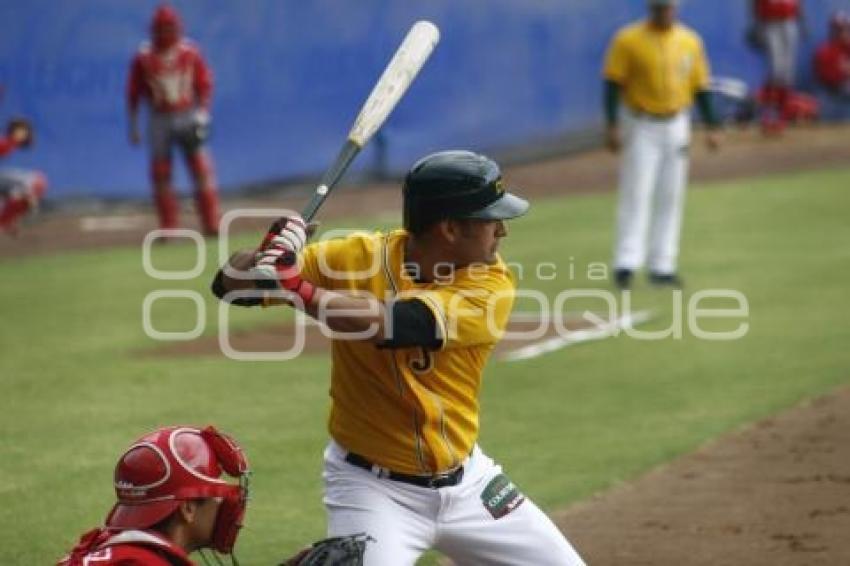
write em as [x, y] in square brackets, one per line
[175, 464]
[166, 27]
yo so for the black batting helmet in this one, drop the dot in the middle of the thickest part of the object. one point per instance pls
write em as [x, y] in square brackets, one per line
[456, 184]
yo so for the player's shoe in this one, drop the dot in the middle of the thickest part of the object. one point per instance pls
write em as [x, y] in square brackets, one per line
[623, 278]
[666, 280]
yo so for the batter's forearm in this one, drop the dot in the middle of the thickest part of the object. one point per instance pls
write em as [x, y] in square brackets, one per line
[348, 313]
[340, 312]
[235, 276]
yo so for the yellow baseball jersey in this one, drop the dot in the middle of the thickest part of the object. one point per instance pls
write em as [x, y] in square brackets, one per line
[659, 71]
[410, 410]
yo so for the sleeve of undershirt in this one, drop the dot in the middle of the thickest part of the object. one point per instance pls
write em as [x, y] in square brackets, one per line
[412, 324]
[611, 102]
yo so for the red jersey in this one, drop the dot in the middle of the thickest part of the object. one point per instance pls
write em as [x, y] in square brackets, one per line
[101, 547]
[832, 64]
[777, 10]
[173, 80]
[7, 146]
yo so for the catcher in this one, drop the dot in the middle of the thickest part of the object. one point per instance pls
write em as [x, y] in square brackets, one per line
[20, 190]
[173, 500]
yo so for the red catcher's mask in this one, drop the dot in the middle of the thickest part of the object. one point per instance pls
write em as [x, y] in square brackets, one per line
[175, 464]
[166, 28]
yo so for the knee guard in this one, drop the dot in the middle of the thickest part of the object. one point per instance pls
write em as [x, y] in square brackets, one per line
[201, 168]
[161, 172]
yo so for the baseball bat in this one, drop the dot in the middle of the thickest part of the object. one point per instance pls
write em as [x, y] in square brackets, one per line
[391, 86]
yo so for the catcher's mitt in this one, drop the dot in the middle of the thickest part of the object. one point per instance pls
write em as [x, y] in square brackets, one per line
[197, 130]
[334, 551]
[21, 130]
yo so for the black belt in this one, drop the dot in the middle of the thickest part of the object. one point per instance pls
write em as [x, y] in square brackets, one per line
[653, 116]
[447, 479]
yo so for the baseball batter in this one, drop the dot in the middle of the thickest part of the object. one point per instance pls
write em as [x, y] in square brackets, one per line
[170, 74]
[654, 69]
[421, 309]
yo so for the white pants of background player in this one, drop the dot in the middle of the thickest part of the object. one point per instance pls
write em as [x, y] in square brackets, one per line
[653, 175]
[407, 520]
[780, 39]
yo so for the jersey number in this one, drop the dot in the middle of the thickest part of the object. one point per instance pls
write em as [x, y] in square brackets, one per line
[423, 363]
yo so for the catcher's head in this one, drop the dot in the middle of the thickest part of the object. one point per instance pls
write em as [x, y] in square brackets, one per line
[456, 185]
[166, 27]
[172, 479]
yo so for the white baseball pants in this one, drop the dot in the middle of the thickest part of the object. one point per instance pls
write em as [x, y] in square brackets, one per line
[406, 520]
[653, 175]
[781, 40]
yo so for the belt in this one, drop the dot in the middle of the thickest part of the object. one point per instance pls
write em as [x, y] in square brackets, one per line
[653, 116]
[437, 481]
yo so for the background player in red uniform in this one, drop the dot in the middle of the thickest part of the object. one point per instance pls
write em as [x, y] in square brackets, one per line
[832, 59]
[170, 74]
[172, 500]
[778, 25]
[20, 189]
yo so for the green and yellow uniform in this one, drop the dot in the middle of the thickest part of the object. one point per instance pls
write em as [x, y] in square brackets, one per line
[658, 71]
[410, 410]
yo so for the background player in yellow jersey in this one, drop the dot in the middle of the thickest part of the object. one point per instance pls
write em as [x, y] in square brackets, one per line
[428, 303]
[653, 71]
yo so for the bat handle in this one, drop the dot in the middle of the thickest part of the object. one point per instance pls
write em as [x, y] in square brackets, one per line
[329, 180]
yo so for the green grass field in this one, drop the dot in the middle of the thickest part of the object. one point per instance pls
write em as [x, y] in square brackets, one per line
[79, 382]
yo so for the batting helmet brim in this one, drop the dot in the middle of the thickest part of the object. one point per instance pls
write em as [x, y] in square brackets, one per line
[507, 207]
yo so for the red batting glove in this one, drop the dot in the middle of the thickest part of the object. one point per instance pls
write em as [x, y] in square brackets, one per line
[277, 257]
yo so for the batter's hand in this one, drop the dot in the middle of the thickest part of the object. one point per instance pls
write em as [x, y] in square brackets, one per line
[286, 234]
[277, 257]
[612, 139]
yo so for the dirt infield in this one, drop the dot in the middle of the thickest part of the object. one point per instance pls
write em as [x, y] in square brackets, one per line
[775, 493]
[745, 153]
